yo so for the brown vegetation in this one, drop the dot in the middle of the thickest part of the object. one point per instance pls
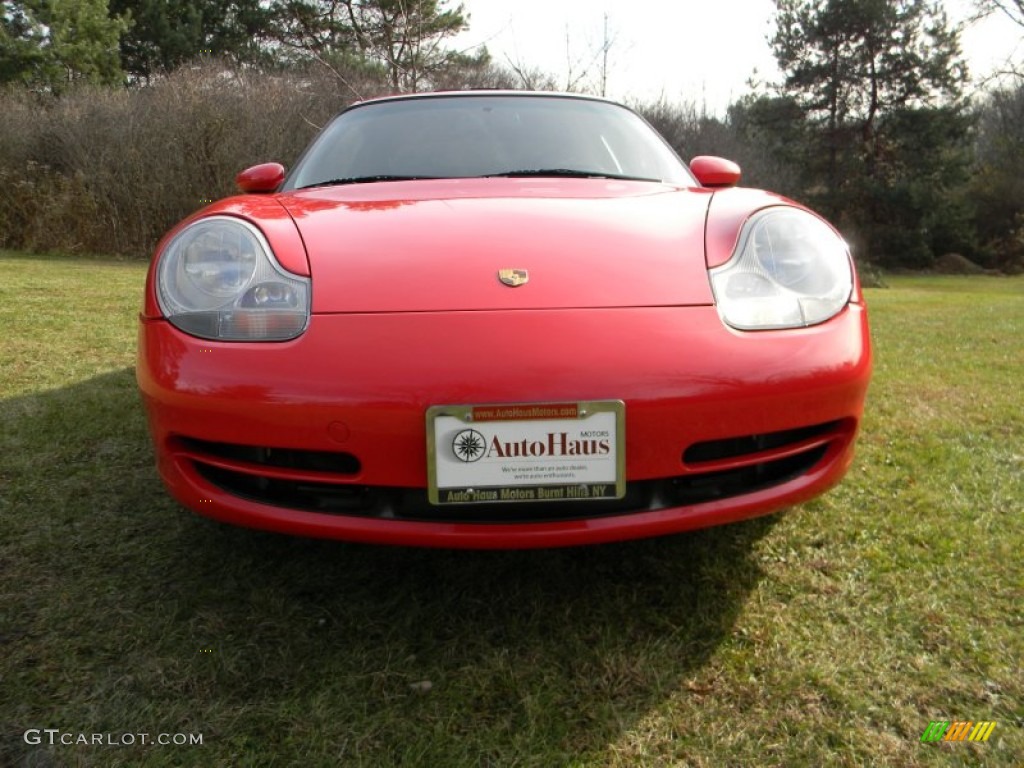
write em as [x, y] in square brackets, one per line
[110, 170]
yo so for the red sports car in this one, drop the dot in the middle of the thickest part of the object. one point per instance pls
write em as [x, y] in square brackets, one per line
[492, 319]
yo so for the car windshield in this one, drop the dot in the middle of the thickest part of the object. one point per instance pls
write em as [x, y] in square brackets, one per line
[470, 135]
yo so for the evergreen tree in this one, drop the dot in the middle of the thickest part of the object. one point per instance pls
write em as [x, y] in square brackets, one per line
[21, 42]
[879, 84]
[166, 33]
[49, 44]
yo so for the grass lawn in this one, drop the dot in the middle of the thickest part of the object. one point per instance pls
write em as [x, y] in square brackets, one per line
[831, 634]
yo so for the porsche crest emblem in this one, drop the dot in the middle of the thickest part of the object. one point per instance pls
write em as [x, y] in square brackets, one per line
[513, 277]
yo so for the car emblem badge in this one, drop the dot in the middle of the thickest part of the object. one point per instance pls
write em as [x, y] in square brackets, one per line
[513, 277]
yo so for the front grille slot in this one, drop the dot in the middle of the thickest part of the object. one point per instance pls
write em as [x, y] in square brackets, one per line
[734, 452]
[332, 498]
[304, 462]
[706, 486]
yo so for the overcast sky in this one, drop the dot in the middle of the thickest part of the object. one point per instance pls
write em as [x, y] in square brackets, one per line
[702, 51]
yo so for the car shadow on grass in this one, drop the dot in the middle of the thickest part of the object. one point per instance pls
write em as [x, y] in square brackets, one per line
[135, 615]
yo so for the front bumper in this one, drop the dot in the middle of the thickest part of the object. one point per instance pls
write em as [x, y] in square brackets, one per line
[720, 425]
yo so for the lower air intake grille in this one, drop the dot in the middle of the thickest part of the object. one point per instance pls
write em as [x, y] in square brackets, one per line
[692, 488]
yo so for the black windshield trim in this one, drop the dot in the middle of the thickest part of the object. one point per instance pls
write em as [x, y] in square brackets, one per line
[366, 180]
[564, 173]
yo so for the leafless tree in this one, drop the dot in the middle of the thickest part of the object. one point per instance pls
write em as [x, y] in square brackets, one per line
[1014, 11]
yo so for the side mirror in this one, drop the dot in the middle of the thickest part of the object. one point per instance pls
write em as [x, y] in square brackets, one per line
[715, 171]
[260, 178]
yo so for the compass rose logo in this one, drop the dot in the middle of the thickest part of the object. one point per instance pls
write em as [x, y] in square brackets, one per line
[468, 445]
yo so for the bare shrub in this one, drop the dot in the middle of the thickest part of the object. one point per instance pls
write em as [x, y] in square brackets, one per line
[109, 171]
[34, 198]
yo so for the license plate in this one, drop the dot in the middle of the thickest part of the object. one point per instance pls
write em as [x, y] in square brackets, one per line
[478, 454]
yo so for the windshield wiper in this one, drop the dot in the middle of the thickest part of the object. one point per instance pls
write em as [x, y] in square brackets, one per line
[365, 180]
[563, 173]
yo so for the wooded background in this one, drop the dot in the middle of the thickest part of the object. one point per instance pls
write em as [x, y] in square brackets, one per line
[122, 116]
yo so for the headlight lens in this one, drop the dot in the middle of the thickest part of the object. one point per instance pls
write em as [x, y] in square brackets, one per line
[790, 270]
[218, 279]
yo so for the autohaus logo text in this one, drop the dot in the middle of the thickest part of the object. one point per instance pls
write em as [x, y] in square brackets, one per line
[471, 445]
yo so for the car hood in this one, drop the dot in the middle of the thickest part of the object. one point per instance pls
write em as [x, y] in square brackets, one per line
[428, 246]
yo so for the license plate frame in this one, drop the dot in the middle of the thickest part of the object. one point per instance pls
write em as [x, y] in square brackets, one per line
[526, 452]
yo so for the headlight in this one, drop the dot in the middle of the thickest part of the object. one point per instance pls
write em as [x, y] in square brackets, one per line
[218, 279]
[790, 269]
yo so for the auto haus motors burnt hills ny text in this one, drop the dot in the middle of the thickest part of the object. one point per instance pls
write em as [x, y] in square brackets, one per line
[559, 493]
